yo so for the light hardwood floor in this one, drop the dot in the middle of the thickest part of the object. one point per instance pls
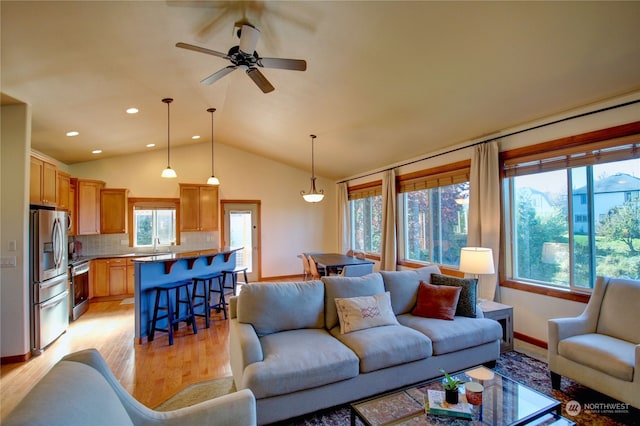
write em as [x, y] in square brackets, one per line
[151, 372]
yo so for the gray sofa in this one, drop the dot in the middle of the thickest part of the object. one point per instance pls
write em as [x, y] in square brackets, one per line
[287, 347]
[81, 390]
[601, 347]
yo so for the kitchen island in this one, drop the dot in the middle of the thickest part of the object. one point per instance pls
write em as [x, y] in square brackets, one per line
[151, 271]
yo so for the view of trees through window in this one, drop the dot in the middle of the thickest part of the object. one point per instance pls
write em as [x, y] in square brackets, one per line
[366, 223]
[157, 225]
[435, 223]
[569, 226]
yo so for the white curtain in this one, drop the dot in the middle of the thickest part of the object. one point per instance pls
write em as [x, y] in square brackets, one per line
[388, 253]
[344, 228]
[484, 211]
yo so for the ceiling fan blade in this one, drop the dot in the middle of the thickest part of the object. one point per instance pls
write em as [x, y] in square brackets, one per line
[202, 50]
[260, 80]
[249, 39]
[218, 74]
[285, 64]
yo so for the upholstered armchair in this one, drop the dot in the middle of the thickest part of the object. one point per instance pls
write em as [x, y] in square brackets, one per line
[81, 390]
[600, 348]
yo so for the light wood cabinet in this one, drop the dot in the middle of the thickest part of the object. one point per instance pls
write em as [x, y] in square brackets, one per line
[88, 206]
[63, 181]
[108, 277]
[73, 212]
[113, 211]
[42, 182]
[198, 207]
[131, 276]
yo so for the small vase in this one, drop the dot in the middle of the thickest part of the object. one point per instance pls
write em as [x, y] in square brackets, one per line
[451, 396]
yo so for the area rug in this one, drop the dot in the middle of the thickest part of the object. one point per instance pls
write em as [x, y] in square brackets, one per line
[517, 366]
[128, 301]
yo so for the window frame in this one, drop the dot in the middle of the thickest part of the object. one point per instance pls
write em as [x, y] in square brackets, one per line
[361, 191]
[151, 203]
[596, 145]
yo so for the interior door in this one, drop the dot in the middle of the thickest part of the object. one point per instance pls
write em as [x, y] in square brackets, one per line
[242, 229]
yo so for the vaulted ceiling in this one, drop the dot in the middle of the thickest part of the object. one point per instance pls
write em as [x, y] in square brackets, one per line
[385, 81]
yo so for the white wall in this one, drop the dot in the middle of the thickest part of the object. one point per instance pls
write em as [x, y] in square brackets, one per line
[289, 224]
[15, 139]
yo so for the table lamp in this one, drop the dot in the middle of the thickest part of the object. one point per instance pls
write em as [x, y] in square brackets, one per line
[476, 260]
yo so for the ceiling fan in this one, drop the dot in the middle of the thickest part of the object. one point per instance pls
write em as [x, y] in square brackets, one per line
[244, 56]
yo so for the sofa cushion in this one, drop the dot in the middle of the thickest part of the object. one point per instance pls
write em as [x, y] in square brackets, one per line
[436, 301]
[357, 313]
[468, 296]
[450, 336]
[619, 310]
[607, 354]
[72, 393]
[299, 359]
[274, 307]
[343, 287]
[386, 346]
[403, 286]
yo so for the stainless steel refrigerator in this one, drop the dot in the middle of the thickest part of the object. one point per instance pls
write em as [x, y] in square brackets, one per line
[48, 277]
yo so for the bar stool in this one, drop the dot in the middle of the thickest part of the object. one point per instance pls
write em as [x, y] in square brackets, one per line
[234, 278]
[172, 290]
[206, 281]
[217, 288]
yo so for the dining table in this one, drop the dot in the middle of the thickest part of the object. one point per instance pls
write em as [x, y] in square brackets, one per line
[333, 262]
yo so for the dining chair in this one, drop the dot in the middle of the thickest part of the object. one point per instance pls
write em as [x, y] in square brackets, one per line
[360, 255]
[350, 252]
[315, 274]
[306, 267]
[357, 270]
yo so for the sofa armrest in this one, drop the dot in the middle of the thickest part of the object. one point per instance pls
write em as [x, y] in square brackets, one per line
[636, 367]
[244, 347]
[479, 313]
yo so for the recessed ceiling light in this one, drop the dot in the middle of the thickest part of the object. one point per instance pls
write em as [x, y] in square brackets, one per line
[150, 145]
[96, 151]
[72, 133]
[195, 137]
[132, 110]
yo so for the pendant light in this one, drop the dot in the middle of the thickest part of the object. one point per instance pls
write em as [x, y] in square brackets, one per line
[213, 180]
[168, 172]
[313, 196]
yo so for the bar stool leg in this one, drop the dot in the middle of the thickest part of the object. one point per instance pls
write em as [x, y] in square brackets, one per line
[170, 317]
[192, 313]
[155, 316]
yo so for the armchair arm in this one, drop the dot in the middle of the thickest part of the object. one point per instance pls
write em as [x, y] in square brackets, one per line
[244, 347]
[561, 328]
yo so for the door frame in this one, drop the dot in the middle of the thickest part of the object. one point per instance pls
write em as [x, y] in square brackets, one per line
[225, 243]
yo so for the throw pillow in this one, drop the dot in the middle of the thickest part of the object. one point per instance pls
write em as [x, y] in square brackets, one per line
[468, 296]
[358, 313]
[436, 301]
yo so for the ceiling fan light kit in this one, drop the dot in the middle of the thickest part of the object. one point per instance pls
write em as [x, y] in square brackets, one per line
[244, 56]
[168, 172]
[213, 180]
[314, 195]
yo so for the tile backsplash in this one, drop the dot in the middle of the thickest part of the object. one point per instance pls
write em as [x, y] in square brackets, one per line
[118, 244]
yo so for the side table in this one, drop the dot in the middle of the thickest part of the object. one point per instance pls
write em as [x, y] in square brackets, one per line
[504, 315]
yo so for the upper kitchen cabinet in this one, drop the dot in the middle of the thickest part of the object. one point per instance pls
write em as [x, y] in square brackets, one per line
[42, 183]
[63, 181]
[88, 206]
[113, 211]
[198, 207]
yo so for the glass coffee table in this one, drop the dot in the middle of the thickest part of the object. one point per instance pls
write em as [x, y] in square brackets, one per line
[504, 402]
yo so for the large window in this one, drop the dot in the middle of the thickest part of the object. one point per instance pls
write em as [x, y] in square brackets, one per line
[433, 208]
[365, 211]
[574, 214]
[153, 223]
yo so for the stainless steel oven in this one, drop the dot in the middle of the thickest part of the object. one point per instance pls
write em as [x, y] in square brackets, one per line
[78, 289]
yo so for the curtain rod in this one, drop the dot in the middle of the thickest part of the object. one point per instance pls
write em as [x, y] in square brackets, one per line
[528, 129]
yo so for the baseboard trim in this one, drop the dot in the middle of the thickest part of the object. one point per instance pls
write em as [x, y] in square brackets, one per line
[531, 340]
[15, 358]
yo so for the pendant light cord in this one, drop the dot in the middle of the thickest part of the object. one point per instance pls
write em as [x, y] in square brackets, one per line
[212, 110]
[168, 102]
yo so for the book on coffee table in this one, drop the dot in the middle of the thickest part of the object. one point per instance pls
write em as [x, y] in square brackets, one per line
[438, 405]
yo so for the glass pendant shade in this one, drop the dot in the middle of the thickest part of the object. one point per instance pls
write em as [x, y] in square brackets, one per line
[213, 180]
[168, 172]
[314, 195]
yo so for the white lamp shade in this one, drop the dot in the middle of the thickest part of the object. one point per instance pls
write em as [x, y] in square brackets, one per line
[213, 181]
[313, 197]
[476, 260]
[168, 173]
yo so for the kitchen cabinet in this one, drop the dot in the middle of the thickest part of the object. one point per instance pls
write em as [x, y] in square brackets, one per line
[73, 213]
[42, 182]
[113, 211]
[108, 277]
[88, 206]
[63, 182]
[198, 207]
[131, 276]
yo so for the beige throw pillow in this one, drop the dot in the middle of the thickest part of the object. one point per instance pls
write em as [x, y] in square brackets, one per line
[358, 313]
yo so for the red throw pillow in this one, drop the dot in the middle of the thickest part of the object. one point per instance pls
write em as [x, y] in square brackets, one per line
[437, 301]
